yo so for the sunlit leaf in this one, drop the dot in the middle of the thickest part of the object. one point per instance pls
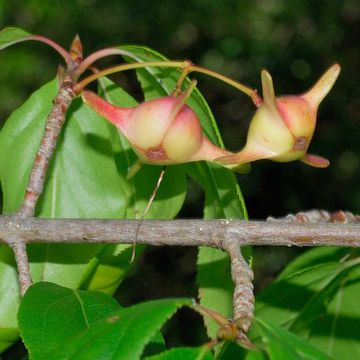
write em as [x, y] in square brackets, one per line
[122, 335]
[50, 315]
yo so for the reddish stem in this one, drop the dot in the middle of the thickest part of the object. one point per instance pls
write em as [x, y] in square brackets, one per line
[65, 54]
[88, 61]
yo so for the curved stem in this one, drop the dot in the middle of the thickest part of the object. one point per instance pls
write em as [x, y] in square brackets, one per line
[185, 65]
[88, 61]
[83, 83]
[65, 54]
[252, 93]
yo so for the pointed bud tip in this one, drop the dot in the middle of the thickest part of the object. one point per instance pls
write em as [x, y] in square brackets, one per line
[265, 75]
[317, 93]
[76, 49]
[336, 68]
[268, 88]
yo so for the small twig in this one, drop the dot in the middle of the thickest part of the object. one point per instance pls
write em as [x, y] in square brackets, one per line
[152, 197]
[53, 127]
[242, 275]
[22, 262]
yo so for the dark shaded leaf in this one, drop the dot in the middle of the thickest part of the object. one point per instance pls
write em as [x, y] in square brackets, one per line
[281, 344]
[201, 353]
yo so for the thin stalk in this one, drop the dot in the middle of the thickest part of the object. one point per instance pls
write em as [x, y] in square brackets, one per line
[65, 54]
[171, 64]
[118, 68]
[88, 61]
[245, 89]
[152, 197]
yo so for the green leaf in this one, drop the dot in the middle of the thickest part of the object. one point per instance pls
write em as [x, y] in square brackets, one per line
[200, 353]
[123, 335]
[223, 198]
[74, 188]
[281, 344]
[50, 315]
[155, 346]
[12, 35]
[255, 355]
[19, 140]
[316, 256]
[109, 267]
[318, 302]
[230, 350]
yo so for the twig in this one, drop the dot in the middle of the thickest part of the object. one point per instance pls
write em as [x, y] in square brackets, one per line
[152, 197]
[243, 276]
[178, 232]
[53, 127]
[22, 263]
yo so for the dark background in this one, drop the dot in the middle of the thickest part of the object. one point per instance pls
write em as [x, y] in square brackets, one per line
[295, 40]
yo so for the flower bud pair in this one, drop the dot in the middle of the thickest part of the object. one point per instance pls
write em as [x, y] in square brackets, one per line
[166, 131]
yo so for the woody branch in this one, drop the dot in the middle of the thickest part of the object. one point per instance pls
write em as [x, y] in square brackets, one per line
[212, 233]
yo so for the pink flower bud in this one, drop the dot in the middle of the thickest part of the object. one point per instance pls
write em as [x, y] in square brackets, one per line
[282, 128]
[161, 131]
